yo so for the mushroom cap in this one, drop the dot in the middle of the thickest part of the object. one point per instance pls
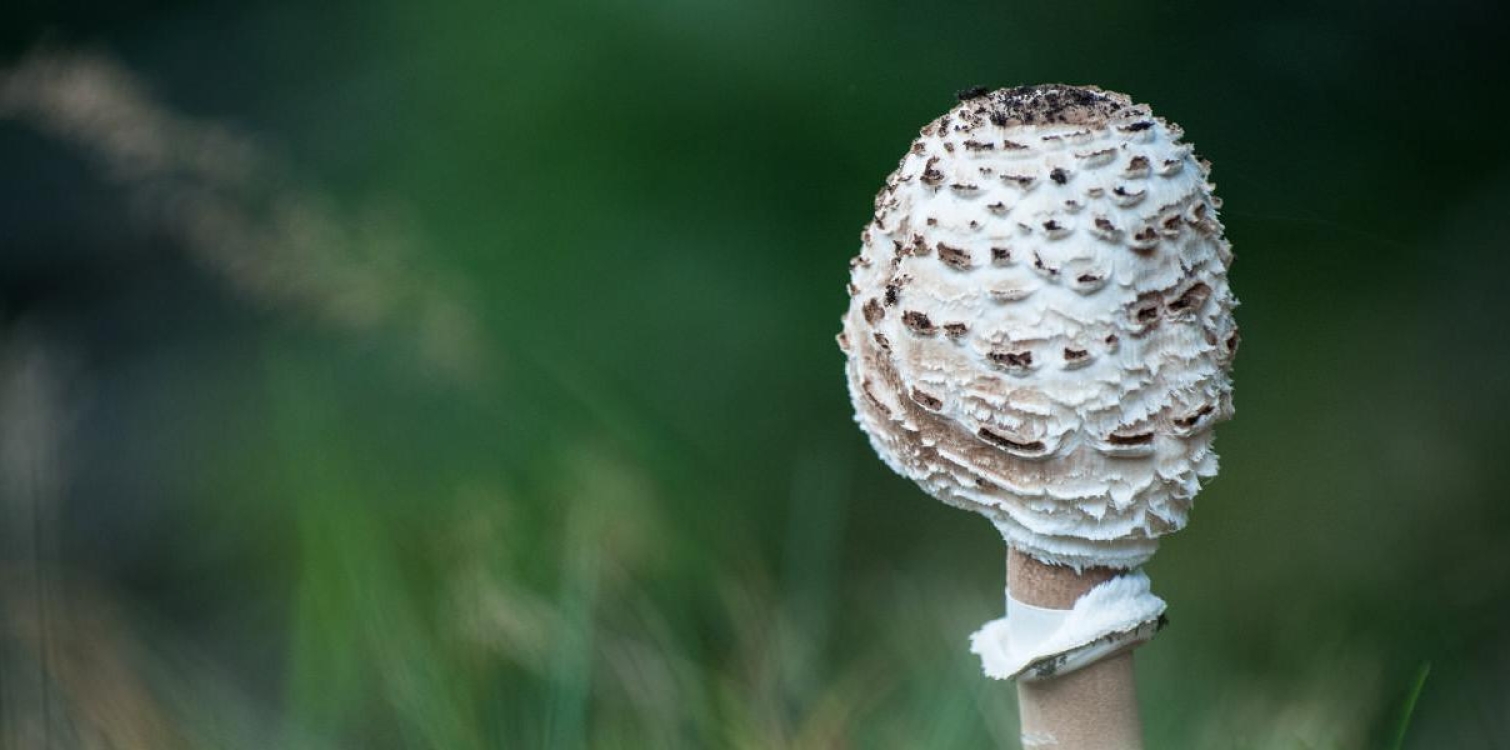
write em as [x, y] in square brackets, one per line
[1040, 326]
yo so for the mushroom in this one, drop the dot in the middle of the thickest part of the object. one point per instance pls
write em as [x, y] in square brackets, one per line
[1074, 412]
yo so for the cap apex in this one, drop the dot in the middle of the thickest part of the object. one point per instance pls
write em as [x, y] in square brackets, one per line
[1050, 104]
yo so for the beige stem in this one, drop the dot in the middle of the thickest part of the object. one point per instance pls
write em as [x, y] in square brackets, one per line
[1093, 708]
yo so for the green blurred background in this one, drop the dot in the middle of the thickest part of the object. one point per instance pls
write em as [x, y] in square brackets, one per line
[462, 375]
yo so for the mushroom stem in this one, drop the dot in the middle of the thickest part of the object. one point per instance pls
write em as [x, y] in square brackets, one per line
[1092, 708]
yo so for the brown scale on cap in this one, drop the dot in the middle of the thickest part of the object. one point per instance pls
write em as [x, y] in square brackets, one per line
[954, 257]
[918, 323]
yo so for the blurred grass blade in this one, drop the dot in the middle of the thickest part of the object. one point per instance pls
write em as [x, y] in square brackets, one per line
[1410, 704]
